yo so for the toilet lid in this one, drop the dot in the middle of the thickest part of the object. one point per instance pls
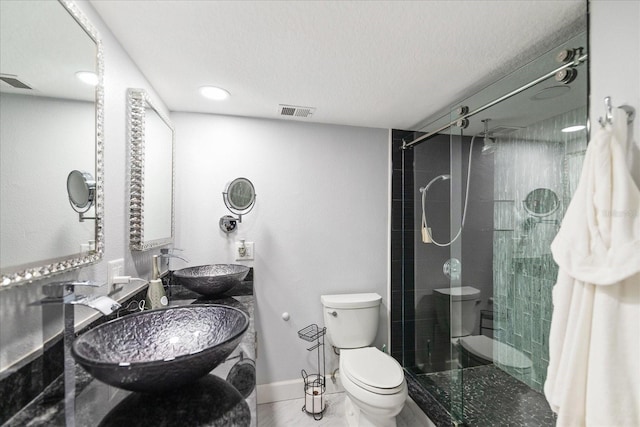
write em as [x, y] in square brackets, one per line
[463, 293]
[485, 348]
[372, 370]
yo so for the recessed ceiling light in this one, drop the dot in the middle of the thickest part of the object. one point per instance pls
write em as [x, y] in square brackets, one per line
[87, 77]
[575, 128]
[215, 93]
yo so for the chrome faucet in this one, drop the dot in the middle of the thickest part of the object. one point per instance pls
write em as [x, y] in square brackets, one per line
[165, 253]
[64, 293]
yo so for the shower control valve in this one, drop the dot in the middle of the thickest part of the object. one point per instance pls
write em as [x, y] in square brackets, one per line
[452, 268]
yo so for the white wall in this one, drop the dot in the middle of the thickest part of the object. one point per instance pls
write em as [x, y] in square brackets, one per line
[614, 57]
[320, 224]
[22, 328]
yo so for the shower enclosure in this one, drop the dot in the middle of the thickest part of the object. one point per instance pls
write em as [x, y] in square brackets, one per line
[471, 303]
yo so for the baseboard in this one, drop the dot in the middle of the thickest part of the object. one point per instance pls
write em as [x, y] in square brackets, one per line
[291, 389]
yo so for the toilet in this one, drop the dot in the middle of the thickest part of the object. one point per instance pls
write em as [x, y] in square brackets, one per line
[373, 381]
[457, 311]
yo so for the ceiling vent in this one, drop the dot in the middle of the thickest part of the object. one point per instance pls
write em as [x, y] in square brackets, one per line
[14, 82]
[503, 130]
[295, 111]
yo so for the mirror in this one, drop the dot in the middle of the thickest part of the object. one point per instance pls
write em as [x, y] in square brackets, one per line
[50, 124]
[541, 202]
[151, 207]
[81, 189]
[239, 196]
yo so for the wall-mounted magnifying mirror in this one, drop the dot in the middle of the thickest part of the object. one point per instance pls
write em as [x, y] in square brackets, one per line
[81, 188]
[240, 197]
[541, 202]
[151, 205]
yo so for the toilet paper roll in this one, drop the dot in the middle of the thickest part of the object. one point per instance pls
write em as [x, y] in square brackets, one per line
[314, 399]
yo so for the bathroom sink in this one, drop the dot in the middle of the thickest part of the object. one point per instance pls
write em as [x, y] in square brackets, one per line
[161, 349]
[211, 279]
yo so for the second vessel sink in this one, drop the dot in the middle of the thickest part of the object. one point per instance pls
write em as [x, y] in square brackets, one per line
[161, 349]
[211, 279]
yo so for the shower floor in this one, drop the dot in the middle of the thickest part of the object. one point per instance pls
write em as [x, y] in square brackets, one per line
[491, 397]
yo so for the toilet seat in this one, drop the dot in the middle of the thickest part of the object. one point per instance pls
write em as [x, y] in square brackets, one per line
[372, 370]
[483, 347]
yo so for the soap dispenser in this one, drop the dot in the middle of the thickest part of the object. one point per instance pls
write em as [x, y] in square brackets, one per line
[156, 297]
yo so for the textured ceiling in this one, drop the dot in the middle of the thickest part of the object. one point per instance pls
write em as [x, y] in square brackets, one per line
[388, 64]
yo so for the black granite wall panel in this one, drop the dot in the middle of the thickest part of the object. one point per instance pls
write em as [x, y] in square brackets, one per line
[402, 252]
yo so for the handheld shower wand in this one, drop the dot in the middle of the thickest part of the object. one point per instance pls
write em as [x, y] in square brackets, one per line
[427, 237]
[426, 231]
[443, 177]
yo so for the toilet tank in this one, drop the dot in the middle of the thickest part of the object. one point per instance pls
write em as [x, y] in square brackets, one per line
[351, 319]
[457, 309]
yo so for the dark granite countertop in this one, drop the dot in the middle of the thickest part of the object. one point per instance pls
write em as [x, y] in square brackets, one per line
[224, 397]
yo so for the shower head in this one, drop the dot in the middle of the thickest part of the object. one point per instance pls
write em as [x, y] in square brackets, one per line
[489, 145]
[437, 178]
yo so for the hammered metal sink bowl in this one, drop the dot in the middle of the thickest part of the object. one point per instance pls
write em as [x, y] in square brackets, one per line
[158, 350]
[211, 279]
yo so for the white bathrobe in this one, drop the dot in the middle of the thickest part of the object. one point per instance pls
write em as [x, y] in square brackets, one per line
[593, 377]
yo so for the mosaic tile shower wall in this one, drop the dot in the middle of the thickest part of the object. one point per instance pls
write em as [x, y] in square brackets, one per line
[530, 159]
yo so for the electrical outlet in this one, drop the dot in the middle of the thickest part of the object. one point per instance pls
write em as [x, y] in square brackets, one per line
[247, 254]
[114, 268]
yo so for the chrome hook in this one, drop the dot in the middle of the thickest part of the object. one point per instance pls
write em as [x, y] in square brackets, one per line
[608, 109]
[631, 112]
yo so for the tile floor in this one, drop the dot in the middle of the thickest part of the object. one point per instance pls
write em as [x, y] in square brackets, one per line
[289, 413]
[491, 397]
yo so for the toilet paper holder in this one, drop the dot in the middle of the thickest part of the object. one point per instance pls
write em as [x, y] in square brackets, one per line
[314, 384]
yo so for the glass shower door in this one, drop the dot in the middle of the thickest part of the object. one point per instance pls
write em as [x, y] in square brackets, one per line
[523, 174]
[475, 314]
[453, 267]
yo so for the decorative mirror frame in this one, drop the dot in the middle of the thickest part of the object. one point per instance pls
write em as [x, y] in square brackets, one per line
[137, 99]
[58, 266]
